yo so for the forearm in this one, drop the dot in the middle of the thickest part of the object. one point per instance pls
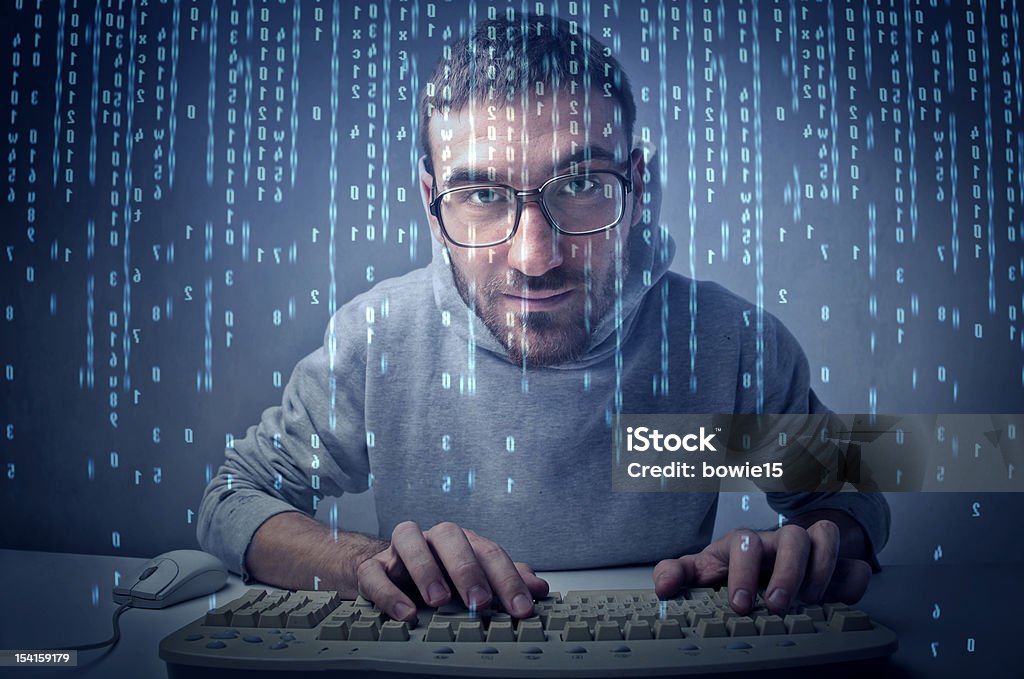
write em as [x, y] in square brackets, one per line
[290, 550]
[853, 542]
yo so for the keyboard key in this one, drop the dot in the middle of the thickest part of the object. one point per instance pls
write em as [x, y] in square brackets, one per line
[606, 630]
[830, 609]
[695, 615]
[347, 616]
[394, 630]
[221, 616]
[500, 631]
[815, 613]
[304, 618]
[589, 618]
[576, 631]
[557, 621]
[849, 621]
[470, 631]
[667, 629]
[741, 627]
[799, 624]
[711, 627]
[647, 615]
[274, 617]
[375, 617]
[530, 631]
[701, 594]
[619, 618]
[440, 631]
[363, 630]
[770, 624]
[636, 630]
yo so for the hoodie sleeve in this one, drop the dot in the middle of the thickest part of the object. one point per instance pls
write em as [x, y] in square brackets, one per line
[787, 390]
[312, 445]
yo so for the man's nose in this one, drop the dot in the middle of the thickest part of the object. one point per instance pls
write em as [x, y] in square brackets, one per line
[535, 248]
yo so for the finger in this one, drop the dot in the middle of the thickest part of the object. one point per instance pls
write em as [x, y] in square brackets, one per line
[452, 547]
[504, 577]
[375, 585]
[824, 536]
[415, 554]
[792, 548]
[745, 550]
[849, 582]
[538, 587]
[708, 567]
[671, 575]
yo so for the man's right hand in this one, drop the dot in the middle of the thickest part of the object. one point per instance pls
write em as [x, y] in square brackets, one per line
[418, 561]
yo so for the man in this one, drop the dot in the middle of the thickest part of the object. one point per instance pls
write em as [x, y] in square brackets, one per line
[476, 395]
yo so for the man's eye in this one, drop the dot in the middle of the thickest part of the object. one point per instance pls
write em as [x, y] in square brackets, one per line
[486, 196]
[579, 186]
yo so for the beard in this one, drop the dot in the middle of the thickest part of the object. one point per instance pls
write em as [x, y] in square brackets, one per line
[543, 338]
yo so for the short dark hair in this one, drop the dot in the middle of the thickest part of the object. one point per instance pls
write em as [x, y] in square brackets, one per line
[501, 57]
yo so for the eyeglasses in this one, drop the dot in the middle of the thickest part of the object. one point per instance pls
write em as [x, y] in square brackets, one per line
[483, 215]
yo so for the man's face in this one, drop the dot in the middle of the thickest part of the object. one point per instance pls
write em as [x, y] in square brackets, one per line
[541, 292]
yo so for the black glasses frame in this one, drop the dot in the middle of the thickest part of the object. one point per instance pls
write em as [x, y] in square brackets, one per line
[521, 197]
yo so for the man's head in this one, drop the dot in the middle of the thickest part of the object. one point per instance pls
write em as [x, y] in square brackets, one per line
[518, 102]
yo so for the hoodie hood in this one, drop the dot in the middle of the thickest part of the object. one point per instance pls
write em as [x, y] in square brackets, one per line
[650, 250]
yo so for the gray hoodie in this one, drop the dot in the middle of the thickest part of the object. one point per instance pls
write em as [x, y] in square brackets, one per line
[411, 394]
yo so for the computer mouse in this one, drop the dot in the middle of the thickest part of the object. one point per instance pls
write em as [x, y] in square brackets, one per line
[174, 576]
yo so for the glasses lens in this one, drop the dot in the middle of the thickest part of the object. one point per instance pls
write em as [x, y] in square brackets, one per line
[585, 202]
[478, 215]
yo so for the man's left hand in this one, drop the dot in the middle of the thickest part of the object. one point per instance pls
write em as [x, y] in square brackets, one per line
[803, 564]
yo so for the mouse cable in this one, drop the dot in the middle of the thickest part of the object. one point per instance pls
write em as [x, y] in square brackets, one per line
[109, 642]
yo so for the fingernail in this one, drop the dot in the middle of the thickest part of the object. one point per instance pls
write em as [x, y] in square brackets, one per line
[779, 598]
[478, 596]
[436, 591]
[402, 611]
[521, 604]
[741, 599]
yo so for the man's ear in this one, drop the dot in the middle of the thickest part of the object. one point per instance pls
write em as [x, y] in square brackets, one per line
[636, 164]
[425, 182]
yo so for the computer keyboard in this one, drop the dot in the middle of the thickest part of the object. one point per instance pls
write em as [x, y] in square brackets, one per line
[601, 633]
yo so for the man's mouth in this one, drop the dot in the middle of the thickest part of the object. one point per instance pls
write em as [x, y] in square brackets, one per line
[540, 300]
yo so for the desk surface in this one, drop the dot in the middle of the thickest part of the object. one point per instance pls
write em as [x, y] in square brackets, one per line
[974, 603]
